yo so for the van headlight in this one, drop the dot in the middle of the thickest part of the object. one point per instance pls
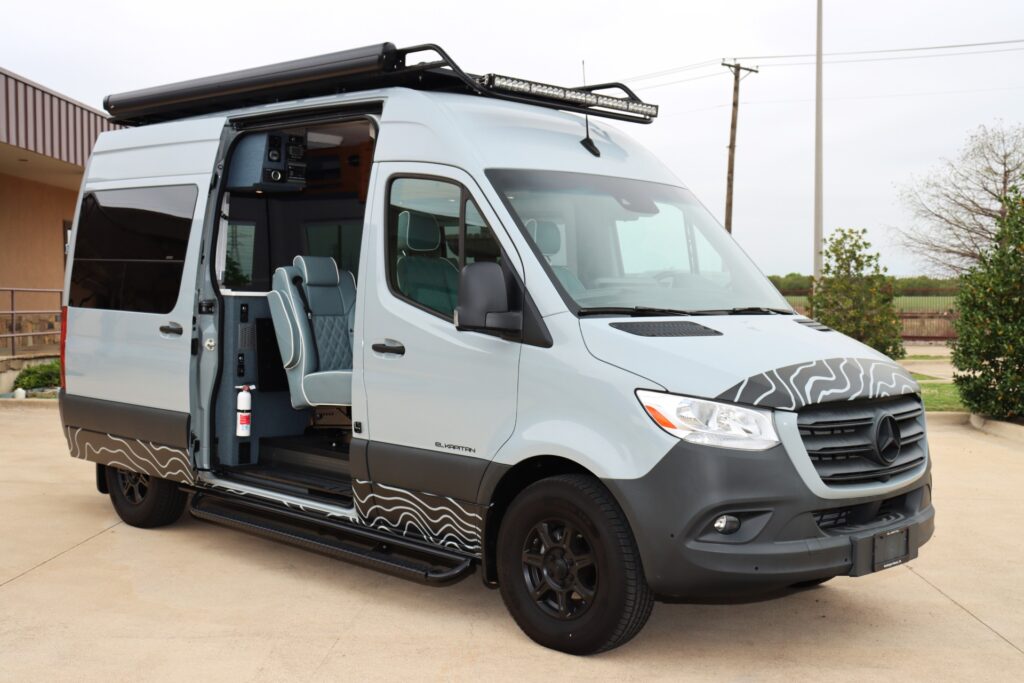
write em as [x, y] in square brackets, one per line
[713, 424]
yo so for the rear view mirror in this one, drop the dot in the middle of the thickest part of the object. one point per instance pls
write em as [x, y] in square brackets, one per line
[484, 291]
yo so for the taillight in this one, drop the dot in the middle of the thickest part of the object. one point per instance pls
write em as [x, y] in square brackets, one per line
[63, 344]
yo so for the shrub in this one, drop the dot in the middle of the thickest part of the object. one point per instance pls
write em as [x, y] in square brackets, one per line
[989, 350]
[39, 376]
[854, 295]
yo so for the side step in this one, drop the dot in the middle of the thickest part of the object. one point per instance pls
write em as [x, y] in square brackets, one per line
[344, 541]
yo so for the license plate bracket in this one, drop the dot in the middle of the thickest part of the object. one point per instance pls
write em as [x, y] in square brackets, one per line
[891, 548]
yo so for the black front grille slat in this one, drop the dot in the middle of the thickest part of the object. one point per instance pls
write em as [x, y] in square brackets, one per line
[839, 439]
[836, 425]
[863, 515]
[861, 476]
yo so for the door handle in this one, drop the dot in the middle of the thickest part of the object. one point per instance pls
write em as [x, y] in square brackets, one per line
[171, 328]
[395, 348]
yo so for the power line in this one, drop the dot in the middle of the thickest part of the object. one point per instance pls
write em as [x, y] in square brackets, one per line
[895, 49]
[710, 62]
[684, 80]
[896, 59]
[675, 69]
[843, 99]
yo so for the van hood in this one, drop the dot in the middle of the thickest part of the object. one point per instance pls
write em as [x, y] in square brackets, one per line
[775, 361]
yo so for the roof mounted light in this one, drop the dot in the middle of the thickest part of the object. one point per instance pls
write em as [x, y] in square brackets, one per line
[576, 96]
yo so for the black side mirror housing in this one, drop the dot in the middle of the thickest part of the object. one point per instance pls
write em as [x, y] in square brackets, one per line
[484, 296]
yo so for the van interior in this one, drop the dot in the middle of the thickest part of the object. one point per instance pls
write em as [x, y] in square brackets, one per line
[287, 257]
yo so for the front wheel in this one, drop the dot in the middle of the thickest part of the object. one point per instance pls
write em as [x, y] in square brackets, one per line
[569, 568]
[144, 501]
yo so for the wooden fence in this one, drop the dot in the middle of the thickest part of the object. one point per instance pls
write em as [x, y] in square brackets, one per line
[927, 314]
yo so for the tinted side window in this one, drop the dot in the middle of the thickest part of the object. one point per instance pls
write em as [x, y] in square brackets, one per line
[130, 248]
[433, 227]
[339, 239]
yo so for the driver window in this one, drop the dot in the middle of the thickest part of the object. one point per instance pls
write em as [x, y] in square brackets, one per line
[433, 228]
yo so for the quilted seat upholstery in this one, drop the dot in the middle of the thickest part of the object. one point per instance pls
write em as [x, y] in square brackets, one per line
[317, 348]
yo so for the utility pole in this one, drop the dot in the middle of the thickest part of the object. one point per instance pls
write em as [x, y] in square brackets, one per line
[818, 201]
[736, 68]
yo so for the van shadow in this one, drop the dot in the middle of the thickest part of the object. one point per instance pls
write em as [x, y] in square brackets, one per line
[713, 630]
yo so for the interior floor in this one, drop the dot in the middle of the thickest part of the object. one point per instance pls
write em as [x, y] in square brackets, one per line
[314, 465]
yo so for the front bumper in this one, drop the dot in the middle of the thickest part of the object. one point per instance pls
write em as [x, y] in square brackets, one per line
[784, 537]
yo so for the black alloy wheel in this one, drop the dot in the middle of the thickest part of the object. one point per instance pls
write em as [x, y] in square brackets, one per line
[134, 486]
[559, 569]
[143, 500]
[569, 569]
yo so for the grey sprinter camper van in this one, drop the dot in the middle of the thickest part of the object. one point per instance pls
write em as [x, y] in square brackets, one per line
[436, 323]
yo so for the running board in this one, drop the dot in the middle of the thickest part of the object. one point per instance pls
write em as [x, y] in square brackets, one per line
[357, 544]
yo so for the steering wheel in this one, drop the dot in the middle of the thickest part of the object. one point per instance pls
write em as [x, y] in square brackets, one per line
[672, 275]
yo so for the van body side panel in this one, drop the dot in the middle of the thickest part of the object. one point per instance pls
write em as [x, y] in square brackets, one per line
[136, 438]
[576, 407]
[128, 369]
[123, 354]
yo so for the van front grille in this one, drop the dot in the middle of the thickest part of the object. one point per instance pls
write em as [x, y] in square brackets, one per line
[841, 439]
[860, 516]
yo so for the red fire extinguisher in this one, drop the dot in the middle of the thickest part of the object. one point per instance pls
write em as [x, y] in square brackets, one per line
[243, 416]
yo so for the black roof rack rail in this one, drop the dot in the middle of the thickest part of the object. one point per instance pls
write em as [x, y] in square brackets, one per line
[374, 66]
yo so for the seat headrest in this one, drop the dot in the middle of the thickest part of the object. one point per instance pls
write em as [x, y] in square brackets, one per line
[548, 237]
[317, 271]
[418, 232]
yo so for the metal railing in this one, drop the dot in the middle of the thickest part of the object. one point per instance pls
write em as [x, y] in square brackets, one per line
[20, 329]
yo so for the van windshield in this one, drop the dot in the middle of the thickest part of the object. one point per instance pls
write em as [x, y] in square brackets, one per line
[612, 243]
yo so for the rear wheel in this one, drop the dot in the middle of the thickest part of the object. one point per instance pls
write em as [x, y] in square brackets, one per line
[144, 501]
[569, 568]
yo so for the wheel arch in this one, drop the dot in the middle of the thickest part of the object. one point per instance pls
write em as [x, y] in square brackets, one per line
[500, 485]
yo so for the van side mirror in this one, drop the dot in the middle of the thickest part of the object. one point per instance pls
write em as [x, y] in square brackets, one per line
[484, 295]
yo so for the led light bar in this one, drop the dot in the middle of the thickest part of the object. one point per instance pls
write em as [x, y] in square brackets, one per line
[571, 95]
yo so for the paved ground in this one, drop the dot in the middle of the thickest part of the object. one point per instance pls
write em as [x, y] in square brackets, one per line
[84, 597]
[939, 366]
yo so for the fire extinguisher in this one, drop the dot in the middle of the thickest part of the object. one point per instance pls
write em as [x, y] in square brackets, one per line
[243, 416]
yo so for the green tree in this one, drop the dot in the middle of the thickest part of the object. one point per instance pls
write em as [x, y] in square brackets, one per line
[989, 350]
[792, 283]
[854, 295]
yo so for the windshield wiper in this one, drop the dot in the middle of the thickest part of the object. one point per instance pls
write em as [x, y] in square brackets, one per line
[758, 310]
[637, 311]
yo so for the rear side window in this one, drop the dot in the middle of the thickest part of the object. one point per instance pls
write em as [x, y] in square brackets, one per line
[130, 248]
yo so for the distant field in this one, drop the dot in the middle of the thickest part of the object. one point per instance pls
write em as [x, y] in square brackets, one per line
[907, 304]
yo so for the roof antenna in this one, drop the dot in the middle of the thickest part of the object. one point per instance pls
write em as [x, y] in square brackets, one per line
[588, 142]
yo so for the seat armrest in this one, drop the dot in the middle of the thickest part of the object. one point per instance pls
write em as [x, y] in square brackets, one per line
[285, 330]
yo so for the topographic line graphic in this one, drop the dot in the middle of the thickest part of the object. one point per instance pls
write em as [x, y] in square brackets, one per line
[134, 455]
[438, 519]
[834, 379]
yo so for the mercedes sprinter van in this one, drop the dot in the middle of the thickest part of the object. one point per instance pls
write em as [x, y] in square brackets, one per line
[429, 322]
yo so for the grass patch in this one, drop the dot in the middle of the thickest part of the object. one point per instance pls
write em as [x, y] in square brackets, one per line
[925, 357]
[919, 376]
[942, 397]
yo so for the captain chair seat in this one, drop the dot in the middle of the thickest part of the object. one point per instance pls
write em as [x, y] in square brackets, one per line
[312, 305]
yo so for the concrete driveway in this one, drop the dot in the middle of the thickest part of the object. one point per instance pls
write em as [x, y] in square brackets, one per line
[85, 597]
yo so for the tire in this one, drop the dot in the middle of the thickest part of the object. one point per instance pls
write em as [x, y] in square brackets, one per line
[544, 542]
[812, 583]
[144, 501]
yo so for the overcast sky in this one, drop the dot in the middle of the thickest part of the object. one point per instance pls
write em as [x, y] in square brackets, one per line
[885, 121]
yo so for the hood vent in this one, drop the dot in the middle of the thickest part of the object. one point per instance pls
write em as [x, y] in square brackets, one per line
[813, 324]
[667, 328]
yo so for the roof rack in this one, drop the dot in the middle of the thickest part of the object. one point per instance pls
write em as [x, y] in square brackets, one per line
[364, 68]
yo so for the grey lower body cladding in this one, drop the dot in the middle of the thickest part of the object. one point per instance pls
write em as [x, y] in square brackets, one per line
[787, 534]
[135, 438]
[439, 520]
